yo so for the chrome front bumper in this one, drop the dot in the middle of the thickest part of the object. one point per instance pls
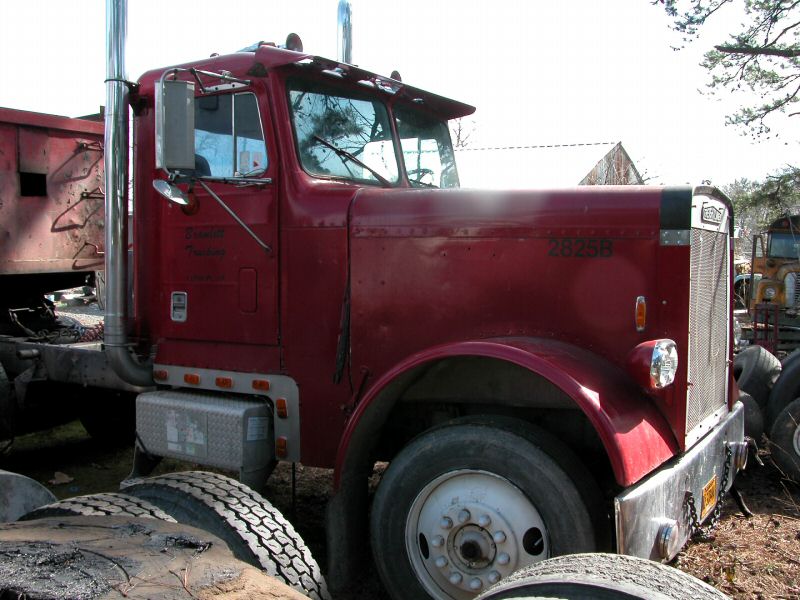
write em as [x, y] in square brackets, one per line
[657, 506]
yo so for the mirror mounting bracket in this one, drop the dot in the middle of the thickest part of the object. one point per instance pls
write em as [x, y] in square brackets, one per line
[224, 76]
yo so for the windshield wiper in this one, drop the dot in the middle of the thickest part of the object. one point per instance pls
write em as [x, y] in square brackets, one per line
[345, 154]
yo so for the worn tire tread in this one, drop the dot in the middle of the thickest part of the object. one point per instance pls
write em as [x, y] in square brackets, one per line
[268, 540]
[782, 440]
[107, 504]
[758, 370]
[639, 576]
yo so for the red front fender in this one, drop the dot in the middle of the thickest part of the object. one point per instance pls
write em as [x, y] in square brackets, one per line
[636, 436]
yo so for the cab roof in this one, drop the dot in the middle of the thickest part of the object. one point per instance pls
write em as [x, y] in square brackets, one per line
[268, 56]
[273, 57]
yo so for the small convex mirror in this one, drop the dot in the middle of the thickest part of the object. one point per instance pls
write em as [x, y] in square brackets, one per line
[171, 192]
[174, 125]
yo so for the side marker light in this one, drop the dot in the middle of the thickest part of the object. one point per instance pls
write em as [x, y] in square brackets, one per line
[224, 382]
[282, 408]
[281, 447]
[262, 385]
[641, 313]
[191, 378]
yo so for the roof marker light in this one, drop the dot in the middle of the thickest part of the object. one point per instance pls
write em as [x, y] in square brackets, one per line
[293, 42]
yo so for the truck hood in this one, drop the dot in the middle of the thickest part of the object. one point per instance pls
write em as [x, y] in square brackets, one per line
[591, 210]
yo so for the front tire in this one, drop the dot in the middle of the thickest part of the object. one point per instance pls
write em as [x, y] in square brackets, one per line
[464, 505]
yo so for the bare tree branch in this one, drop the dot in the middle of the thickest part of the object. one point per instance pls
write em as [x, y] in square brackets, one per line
[759, 51]
[762, 56]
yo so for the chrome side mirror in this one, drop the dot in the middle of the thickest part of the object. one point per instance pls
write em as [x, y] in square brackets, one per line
[174, 125]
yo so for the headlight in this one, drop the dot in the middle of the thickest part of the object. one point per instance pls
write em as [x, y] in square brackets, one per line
[663, 364]
[653, 364]
[769, 292]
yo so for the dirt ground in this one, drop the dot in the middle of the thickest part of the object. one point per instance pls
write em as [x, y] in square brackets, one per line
[755, 558]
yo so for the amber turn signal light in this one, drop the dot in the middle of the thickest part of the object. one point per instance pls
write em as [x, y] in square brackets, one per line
[191, 378]
[282, 408]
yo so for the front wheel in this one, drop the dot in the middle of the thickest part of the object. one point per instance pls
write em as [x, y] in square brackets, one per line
[464, 505]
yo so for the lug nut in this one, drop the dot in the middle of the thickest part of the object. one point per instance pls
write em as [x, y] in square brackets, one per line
[437, 541]
[446, 523]
[455, 578]
[475, 584]
[464, 516]
[440, 562]
[499, 537]
[493, 577]
[484, 520]
[503, 558]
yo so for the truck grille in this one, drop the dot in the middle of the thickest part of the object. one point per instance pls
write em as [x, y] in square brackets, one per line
[708, 330]
[792, 290]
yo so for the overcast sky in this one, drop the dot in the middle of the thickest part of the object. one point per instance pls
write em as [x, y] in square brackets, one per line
[538, 72]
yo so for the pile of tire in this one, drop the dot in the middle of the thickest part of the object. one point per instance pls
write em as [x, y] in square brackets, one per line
[186, 535]
[204, 535]
[770, 392]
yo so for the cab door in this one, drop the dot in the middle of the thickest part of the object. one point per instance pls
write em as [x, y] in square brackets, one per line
[221, 284]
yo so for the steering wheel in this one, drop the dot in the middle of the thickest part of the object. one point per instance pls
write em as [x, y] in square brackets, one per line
[420, 173]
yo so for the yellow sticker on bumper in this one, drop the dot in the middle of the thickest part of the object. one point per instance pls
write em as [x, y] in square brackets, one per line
[709, 497]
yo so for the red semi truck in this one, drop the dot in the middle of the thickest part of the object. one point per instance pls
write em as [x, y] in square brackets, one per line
[545, 372]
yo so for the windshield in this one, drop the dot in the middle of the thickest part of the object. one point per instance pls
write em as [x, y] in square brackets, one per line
[784, 245]
[427, 149]
[342, 136]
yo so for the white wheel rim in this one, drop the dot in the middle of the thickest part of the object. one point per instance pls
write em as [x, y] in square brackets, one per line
[468, 529]
[796, 440]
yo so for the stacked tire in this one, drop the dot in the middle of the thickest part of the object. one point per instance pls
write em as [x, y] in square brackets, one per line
[253, 529]
[756, 370]
[782, 418]
[771, 397]
[237, 520]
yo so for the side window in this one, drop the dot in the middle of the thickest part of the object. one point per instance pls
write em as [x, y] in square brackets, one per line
[427, 149]
[229, 140]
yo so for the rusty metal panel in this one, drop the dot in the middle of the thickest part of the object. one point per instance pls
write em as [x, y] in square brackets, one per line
[57, 227]
[33, 150]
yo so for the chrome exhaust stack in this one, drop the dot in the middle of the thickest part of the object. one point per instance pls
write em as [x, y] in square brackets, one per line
[120, 357]
[344, 38]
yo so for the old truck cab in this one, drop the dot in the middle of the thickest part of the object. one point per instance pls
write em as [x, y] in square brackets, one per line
[772, 290]
[545, 372]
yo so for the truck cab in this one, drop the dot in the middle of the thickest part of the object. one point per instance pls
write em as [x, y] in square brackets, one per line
[771, 289]
[528, 373]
